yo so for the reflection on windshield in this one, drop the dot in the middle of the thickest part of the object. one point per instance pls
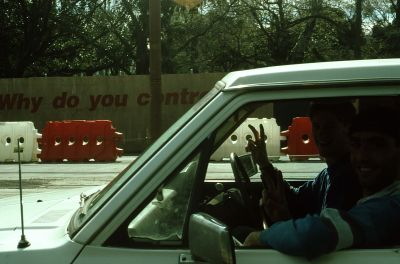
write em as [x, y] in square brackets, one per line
[162, 219]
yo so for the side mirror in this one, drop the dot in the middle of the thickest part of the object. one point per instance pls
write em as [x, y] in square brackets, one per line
[210, 240]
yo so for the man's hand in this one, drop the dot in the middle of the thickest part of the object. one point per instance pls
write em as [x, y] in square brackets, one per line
[274, 201]
[257, 146]
[258, 150]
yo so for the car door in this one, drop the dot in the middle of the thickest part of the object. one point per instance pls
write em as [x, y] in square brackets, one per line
[156, 231]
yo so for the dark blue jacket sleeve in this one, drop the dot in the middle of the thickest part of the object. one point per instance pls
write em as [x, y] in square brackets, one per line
[374, 223]
[307, 237]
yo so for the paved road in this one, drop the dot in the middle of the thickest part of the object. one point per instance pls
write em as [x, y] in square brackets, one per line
[39, 177]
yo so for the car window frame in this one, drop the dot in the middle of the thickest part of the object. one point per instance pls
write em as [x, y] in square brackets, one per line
[229, 103]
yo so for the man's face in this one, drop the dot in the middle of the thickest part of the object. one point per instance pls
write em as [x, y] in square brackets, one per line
[375, 158]
[330, 135]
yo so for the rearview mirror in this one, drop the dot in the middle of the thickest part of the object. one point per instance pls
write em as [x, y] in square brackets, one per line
[210, 240]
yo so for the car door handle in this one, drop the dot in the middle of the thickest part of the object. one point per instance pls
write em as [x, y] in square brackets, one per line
[185, 258]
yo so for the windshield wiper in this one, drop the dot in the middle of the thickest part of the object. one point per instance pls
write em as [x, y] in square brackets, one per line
[83, 197]
[84, 201]
[81, 212]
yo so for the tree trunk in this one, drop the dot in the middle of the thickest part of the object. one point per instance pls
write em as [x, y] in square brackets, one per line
[302, 44]
[155, 68]
[396, 20]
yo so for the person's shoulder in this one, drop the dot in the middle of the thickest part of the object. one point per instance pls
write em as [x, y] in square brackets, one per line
[320, 180]
[391, 201]
[384, 208]
[388, 194]
[323, 174]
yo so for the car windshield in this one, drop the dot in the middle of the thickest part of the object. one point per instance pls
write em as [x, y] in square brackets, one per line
[94, 203]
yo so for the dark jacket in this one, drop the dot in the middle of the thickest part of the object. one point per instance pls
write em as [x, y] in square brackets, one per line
[372, 222]
[334, 187]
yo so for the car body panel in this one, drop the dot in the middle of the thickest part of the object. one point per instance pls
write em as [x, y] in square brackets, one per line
[102, 255]
[314, 73]
[367, 256]
[46, 216]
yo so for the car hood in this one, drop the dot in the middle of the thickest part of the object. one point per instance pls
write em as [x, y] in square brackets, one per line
[46, 217]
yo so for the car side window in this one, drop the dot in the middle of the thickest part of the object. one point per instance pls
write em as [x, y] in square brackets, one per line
[162, 220]
[290, 143]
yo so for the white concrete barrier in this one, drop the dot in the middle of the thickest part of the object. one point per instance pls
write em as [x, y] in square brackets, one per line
[9, 134]
[238, 140]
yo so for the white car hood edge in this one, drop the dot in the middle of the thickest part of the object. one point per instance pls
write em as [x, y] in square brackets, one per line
[46, 217]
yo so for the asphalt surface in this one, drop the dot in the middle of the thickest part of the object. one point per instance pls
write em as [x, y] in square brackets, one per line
[40, 177]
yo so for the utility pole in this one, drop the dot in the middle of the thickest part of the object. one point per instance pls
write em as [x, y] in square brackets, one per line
[155, 68]
[358, 29]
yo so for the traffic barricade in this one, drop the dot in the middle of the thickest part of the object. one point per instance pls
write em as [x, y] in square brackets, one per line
[237, 141]
[300, 140]
[80, 141]
[26, 132]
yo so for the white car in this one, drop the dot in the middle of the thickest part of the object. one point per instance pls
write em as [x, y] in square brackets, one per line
[163, 207]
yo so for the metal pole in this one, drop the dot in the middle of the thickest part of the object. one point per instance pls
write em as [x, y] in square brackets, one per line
[155, 68]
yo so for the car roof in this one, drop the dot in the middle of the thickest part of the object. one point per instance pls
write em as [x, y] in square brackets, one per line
[336, 72]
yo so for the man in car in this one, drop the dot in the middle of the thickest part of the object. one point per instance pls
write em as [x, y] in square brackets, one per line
[374, 220]
[336, 186]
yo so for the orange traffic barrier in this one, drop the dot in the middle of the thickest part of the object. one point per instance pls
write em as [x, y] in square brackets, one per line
[79, 140]
[300, 140]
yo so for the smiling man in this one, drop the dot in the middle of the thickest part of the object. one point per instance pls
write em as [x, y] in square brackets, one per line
[374, 220]
[374, 147]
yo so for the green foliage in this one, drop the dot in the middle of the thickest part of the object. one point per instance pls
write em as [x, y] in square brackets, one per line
[85, 37]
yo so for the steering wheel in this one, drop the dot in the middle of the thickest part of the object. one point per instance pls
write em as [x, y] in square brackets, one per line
[242, 180]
